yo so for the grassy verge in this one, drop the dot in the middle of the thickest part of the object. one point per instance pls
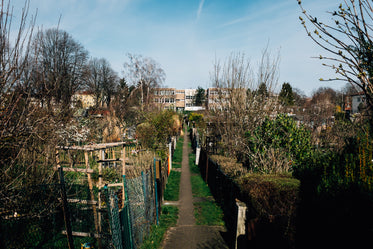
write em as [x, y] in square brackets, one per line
[167, 219]
[192, 166]
[206, 211]
[199, 187]
[178, 154]
[169, 215]
[171, 192]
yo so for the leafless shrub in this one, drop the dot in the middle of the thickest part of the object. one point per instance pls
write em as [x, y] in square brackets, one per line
[242, 99]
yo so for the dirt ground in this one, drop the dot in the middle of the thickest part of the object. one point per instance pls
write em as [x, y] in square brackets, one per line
[186, 234]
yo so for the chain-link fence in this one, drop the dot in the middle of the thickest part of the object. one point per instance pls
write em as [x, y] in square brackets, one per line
[141, 200]
[36, 217]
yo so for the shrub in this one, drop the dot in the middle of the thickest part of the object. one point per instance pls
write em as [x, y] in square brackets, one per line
[270, 195]
[271, 200]
[157, 130]
[277, 145]
[196, 118]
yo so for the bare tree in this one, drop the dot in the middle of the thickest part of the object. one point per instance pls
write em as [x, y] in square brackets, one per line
[13, 61]
[61, 62]
[145, 73]
[236, 106]
[126, 104]
[26, 131]
[102, 81]
[347, 39]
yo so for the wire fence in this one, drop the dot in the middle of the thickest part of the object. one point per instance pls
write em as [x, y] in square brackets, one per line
[142, 201]
[34, 217]
[75, 213]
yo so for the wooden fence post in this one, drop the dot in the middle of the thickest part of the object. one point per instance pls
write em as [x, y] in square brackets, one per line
[90, 184]
[65, 208]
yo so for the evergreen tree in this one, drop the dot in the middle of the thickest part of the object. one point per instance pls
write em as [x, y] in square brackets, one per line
[200, 97]
[262, 90]
[286, 96]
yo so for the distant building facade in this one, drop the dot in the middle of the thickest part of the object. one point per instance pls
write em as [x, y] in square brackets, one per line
[176, 99]
[358, 102]
[217, 98]
[85, 99]
[180, 100]
[165, 98]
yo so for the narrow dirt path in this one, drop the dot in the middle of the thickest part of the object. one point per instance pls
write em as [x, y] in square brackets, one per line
[187, 235]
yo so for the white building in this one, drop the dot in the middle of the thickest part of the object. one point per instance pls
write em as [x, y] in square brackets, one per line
[179, 100]
[358, 100]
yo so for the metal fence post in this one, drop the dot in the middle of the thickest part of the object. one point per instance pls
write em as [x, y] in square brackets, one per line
[128, 216]
[156, 190]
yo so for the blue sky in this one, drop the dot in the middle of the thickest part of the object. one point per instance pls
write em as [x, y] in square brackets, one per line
[185, 37]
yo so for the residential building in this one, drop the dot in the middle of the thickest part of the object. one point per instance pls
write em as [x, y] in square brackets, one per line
[85, 98]
[190, 97]
[217, 98]
[165, 97]
[176, 99]
[180, 100]
[357, 102]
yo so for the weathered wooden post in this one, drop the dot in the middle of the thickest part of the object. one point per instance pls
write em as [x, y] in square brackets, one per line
[65, 207]
[90, 184]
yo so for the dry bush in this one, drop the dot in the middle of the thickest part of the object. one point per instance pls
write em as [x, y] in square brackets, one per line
[142, 162]
[271, 161]
[111, 130]
[27, 131]
[243, 99]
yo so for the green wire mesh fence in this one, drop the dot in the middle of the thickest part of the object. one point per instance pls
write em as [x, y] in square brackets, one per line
[34, 217]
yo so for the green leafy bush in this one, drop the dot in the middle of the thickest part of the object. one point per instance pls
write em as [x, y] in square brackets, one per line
[277, 145]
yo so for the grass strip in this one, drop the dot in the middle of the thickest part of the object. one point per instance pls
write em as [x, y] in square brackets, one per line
[171, 192]
[208, 213]
[178, 154]
[199, 187]
[167, 219]
[194, 169]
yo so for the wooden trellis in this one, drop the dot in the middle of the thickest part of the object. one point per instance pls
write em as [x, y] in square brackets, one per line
[101, 148]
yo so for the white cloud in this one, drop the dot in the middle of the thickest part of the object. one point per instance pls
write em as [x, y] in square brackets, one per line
[200, 7]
